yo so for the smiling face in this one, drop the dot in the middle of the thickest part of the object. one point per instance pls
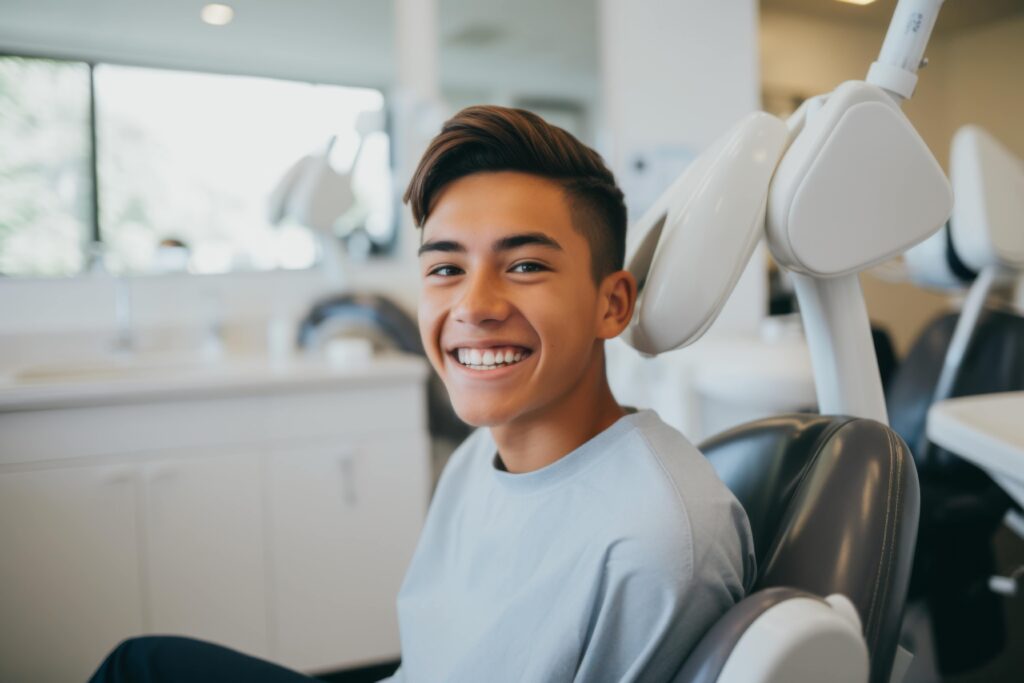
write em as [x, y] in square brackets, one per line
[510, 315]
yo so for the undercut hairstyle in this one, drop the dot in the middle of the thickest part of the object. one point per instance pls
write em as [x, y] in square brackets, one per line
[484, 139]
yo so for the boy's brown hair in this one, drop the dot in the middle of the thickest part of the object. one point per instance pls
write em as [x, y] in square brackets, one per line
[489, 138]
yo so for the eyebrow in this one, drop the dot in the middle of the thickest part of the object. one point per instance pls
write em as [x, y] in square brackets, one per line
[504, 244]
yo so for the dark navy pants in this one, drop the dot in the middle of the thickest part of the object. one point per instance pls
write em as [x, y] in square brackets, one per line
[172, 659]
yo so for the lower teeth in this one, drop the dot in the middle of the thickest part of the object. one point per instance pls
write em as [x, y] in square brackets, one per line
[492, 367]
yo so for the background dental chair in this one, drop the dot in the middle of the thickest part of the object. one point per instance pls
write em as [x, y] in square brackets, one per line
[388, 328]
[979, 350]
[832, 499]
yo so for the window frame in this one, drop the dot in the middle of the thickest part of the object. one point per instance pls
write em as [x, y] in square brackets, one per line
[95, 236]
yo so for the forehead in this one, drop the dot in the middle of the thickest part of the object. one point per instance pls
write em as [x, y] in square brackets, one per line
[483, 206]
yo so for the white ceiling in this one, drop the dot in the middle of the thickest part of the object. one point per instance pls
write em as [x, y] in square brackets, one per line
[332, 40]
[533, 46]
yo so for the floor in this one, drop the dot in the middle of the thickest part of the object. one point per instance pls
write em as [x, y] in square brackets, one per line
[1009, 666]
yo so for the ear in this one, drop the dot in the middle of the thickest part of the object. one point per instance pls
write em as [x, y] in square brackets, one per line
[617, 298]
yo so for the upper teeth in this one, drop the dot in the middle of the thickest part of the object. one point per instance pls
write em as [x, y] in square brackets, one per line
[490, 358]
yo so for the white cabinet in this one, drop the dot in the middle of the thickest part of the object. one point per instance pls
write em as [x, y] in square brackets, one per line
[345, 517]
[276, 519]
[204, 553]
[70, 574]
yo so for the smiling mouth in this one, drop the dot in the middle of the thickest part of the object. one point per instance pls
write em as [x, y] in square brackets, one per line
[484, 360]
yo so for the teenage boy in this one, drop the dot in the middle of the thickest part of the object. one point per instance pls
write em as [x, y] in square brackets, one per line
[569, 538]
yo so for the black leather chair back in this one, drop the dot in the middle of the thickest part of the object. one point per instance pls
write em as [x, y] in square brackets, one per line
[833, 506]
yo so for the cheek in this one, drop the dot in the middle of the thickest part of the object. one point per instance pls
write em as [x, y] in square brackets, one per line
[430, 318]
[565, 322]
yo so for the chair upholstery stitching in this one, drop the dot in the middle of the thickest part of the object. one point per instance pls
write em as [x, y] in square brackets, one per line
[898, 459]
[868, 627]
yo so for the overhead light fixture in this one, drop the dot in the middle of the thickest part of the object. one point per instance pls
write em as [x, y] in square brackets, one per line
[217, 14]
[857, 2]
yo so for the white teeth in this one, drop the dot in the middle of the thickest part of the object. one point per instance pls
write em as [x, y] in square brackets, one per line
[488, 359]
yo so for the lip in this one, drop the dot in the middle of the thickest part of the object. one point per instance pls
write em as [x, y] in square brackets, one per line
[484, 344]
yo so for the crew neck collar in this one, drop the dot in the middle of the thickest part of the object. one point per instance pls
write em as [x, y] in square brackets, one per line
[568, 465]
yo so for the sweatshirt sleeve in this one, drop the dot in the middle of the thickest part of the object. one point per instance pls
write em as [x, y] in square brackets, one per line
[652, 609]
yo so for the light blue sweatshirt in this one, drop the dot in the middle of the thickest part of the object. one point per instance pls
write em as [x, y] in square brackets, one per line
[607, 565]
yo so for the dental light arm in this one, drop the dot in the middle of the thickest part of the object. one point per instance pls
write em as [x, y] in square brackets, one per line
[895, 70]
[856, 187]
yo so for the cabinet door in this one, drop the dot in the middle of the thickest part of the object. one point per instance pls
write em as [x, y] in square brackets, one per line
[70, 580]
[344, 520]
[204, 551]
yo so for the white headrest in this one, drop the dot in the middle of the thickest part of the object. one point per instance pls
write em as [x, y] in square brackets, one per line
[857, 187]
[988, 209]
[689, 249]
[928, 263]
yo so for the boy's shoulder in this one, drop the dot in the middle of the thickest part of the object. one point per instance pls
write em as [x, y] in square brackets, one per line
[640, 450]
[640, 473]
[643, 494]
[681, 520]
[667, 487]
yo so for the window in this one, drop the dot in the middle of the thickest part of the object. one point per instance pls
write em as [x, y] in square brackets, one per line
[186, 164]
[45, 166]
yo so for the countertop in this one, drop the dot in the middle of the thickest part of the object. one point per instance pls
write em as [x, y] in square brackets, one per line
[987, 430]
[152, 378]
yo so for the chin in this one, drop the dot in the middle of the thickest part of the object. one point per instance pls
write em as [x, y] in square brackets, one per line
[480, 417]
[477, 413]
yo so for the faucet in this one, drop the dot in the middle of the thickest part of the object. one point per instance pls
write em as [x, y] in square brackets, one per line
[97, 265]
[213, 325]
[124, 341]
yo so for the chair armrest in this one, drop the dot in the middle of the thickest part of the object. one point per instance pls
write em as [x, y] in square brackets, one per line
[781, 635]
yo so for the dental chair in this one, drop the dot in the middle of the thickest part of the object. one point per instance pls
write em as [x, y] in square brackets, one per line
[979, 350]
[832, 499]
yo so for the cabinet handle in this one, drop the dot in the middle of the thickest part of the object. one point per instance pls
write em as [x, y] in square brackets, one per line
[121, 475]
[348, 480]
[162, 472]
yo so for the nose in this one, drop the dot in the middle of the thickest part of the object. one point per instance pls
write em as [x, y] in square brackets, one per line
[482, 300]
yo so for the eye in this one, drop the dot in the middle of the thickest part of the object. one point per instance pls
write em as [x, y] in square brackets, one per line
[445, 270]
[528, 267]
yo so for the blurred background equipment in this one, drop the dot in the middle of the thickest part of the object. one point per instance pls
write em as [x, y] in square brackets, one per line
[979, 350]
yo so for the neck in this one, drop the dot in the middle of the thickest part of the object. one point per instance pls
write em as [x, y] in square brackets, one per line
[536, 440]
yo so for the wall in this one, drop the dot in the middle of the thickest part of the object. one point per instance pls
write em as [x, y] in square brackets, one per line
[675, 76]
[973, 76]
[985, 81]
